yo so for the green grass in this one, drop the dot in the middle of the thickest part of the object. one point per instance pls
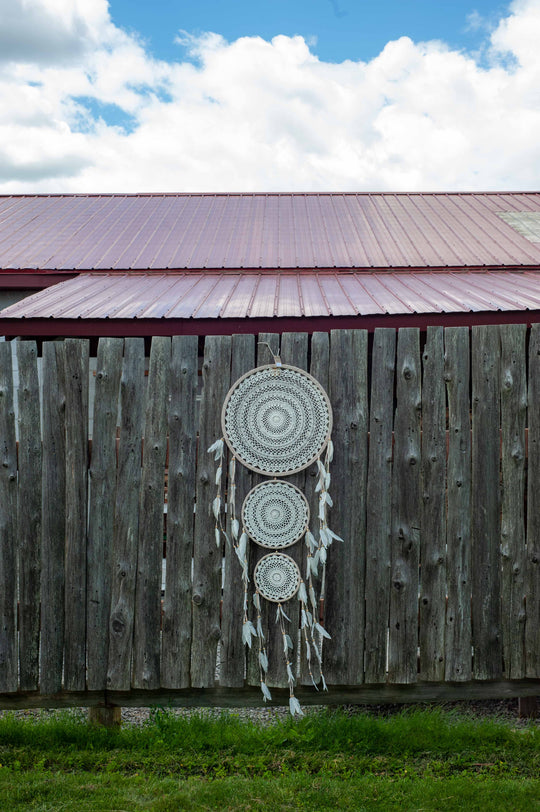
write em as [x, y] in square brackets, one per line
[417, 760]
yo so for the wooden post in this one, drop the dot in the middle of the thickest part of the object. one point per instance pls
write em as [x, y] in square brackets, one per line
[105, 716]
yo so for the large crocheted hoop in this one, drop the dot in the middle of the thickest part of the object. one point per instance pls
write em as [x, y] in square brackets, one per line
[276, 420]
[277, 577]
[275, 514]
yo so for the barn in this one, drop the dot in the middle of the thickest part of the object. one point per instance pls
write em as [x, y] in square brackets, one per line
[172, 264]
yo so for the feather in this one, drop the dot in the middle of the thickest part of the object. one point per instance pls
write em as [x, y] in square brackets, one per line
[242, 546]
[313, 561]
[323, 555]
[288, 641]
[312, 599]
[330, 451]
[281, 613]
[322, 631]
[324, 685]
[294, 707]
[327, 480]
[265, 692]
[318, 486]
[248, 631]
[302, 594]
[232, 468]
[219, 471]
[322, 508]
[232, 494]
[218, 448]
[235, 528]
[304, 620]
[263, 660]
[333, 535]
[290, 675]
[322, 469]
[314, 683]
[218, 537]
[260, 633]
[324, 536]
[216, 507]
[310, 538]
[308, 651]
[328, 499]
[285, 647]
[256, 601]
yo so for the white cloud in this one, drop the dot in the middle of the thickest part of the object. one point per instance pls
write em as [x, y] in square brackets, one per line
[258, 115]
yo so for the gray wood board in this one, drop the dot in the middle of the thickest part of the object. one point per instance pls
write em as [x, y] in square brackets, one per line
[406, 511]
[53, 491]
[232, 652]
[29, 514]
[147, 622]
[485, 503]
[207, 557]
[345, 571]
[176, 639]
[102, 485]
[532, 577]
[76, 382]
[379, 504]
[513, 420]
[433, 535]
[126, 516]
[8, 526]
[458, 660]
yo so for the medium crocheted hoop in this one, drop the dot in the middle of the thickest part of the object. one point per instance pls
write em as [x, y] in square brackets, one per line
[276, 420]
[275, 514]
[277, 577]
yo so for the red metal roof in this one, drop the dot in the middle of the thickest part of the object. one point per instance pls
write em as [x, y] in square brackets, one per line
[306, 231]
[249, 295]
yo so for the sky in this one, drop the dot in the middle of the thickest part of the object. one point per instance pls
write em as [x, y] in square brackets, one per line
[268, 95]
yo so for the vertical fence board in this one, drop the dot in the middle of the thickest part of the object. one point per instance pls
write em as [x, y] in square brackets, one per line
[513, 417]
[126, 516]
[458, 661]
[379, 504]
[207, 558]
[102, 483]
[8, 526]
[345, 588]
[264, 356]
[147, 630]
[77, 370]
[532, 577]
[403, 625]
[232, 654]
[433, 535]
[176, 643]
[29, 515]
[53, 518]
[294, 347]
[319, 368]
[485, 505]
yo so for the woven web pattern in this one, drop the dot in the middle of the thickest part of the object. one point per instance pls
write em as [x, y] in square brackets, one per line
[275, 514]
[277, 421]
[277, 577]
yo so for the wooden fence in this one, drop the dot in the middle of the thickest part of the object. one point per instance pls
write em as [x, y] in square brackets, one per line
[435, 592]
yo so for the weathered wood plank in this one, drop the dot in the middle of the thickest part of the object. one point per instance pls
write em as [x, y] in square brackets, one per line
[77, 371]
[345, 576]
[29, 514]
[485, 503]
[379, 504]
[532, 576]
[513, 419]
[294, 352]
[433, 534]
[53, 518]
[102, 482]
[406, 511]
[265, 355]
[458, 660]
[8, 526]
[232, 654]
[126, 516]
[206, 556]
[147, 642]
[176, 642]
[319, 368]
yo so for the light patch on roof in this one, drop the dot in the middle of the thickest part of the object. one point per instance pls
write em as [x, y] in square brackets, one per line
[526, 223]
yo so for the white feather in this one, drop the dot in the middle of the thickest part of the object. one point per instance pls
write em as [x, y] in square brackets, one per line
[290, 675]
[330, 451]
[294, 707]
[216, 506]
[235, 528]
[265, 692]
[322, 508]
[218, 474]
[328, 498]
[260, 633]
[242, 546]
[288, 641]
[323, 555]
[333, 535]
[263, 660]
[327, 480]
[310, 538]
[256, 601]
[324, 685]
[217, 447]
[302, 594]
[218, 537]
[322, 631]
[248, 631]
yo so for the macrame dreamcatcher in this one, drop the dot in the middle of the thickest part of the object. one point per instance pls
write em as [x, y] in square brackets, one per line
[276, 421]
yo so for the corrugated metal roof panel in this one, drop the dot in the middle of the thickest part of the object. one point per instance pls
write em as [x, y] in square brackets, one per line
[198, 231]
[245, 295]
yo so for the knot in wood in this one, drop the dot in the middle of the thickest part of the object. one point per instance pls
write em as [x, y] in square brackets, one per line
[407, 373]
[197, 599]
[354, 425]
[216, 633]
[118, 625]
[398, 585]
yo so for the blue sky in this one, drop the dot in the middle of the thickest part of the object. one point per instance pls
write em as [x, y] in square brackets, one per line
[274, 95]
[343, 29]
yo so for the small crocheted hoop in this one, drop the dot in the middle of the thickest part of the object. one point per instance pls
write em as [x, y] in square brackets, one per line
[277, 577]
[275, 514]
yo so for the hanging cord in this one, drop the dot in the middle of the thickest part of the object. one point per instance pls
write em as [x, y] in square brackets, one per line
[294, 705]
[277, 359]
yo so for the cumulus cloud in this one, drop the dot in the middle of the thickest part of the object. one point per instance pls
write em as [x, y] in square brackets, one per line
[259, 115]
